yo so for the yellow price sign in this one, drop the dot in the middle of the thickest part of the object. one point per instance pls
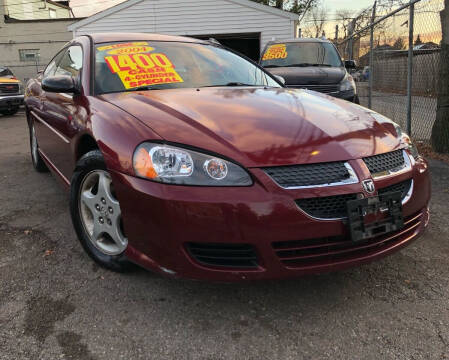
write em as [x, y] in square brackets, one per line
[122, 45]
[135, 70]
[278, 51]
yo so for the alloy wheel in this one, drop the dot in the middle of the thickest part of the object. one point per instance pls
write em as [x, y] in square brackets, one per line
[100, 213]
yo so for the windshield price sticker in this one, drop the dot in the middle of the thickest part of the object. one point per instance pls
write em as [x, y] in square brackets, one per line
[130, 50]
[278, 51]
[122, 45]
[146, 69]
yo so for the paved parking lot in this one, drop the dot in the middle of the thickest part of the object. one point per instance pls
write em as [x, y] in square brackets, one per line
[55, 303]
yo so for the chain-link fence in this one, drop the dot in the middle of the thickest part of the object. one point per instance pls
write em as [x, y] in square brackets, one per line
[399, 59]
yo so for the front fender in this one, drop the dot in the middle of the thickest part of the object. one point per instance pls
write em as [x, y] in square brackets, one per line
[117, 134]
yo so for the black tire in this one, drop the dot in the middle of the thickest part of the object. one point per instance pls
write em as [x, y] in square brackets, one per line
[36, 159]
[91, 161]
[10, 111]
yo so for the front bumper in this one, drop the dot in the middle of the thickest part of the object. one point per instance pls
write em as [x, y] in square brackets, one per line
[10, 101]
[160, 220]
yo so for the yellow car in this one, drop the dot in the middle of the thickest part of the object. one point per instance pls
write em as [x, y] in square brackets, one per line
[11, 92]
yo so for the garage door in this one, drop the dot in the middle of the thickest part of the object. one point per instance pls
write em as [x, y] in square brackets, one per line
[245, 43]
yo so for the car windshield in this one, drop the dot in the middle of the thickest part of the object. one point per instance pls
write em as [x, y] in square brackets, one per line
[128, 66]
[301, 54]
[5, 72]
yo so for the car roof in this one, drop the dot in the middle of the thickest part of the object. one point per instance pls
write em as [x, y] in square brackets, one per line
[98, 38]
[300, 40]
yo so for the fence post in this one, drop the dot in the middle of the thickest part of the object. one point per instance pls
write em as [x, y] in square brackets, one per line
[410, 67]
[371, 58]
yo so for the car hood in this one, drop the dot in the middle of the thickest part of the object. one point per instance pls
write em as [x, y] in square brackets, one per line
[309, 75]
[260, 127]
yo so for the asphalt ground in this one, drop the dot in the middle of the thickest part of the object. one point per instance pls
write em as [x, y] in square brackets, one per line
[55, 303]
[394, 106]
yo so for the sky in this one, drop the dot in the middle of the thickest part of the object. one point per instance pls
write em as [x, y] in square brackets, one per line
[347, 4]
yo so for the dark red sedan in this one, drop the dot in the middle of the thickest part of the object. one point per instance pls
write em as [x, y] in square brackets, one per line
[192, 161]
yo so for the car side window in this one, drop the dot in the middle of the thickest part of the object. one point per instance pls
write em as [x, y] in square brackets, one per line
[51, 67]
[71, 63]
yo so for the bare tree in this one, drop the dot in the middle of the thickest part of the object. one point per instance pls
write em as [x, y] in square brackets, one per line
[316, 20]
[296, 6]
[399, 44]
[344, 18]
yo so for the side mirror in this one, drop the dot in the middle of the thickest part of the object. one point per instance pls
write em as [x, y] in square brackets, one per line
[280, 79]
[60, 84]
[350, 64]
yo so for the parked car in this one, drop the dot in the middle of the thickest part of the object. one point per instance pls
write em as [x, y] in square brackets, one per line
[366, 73]
[358, 75]
[190, 160]
[11, 92]
[312, 64]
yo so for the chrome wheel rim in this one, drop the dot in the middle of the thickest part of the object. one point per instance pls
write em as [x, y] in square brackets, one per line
[100, 213]
[34, 151]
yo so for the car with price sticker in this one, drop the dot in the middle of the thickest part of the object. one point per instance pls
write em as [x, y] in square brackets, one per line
[190, 160]
[312, 64]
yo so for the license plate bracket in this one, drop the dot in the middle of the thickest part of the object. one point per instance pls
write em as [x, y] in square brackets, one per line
[384, 210]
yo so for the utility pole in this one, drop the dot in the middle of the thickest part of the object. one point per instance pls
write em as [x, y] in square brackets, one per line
[336, 33]
[351, 39]
[371, 57]
[440, 131]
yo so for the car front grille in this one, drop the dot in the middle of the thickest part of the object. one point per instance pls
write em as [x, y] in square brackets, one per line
[328, 207]
[325, 89]
[403, 187]
[323, 251]
[223, 254]
[308, 175]
[385, 162]
[334, 207]
[9, 88]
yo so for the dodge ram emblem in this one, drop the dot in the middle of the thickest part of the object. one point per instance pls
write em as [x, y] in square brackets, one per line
[368, 185]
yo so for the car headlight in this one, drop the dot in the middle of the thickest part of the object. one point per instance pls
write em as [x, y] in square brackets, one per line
[407, 141]
[20, 88]
[401, 135]
[174, 165]
[348, 84]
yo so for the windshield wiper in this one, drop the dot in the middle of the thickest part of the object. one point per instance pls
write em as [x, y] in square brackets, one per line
[271, 66]
[307, 65]
[142, 88]
[234, 83]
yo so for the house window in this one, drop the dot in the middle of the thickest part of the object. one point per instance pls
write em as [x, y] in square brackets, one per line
[52, 13]
[29, 54]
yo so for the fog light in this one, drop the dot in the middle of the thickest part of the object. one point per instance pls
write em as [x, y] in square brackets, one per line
[216, 169]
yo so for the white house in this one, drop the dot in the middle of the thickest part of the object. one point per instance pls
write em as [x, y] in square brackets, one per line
[243, 25]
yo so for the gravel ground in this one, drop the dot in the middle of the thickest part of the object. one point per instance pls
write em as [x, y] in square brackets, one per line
[55, 303]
